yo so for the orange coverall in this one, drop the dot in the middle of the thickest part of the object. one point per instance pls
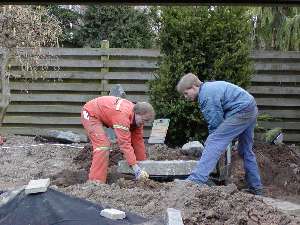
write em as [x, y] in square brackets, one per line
[117, 113]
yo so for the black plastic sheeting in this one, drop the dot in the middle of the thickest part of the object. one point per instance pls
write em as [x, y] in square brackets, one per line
[55, 208]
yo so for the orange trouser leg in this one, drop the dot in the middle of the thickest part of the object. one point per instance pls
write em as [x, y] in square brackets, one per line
[140, 154]
[101, 147]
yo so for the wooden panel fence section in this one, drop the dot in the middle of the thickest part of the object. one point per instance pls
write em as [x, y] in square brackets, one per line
[276, 88]
[54, 102]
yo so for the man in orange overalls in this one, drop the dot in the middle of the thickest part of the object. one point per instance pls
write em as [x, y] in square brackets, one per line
[127, 120]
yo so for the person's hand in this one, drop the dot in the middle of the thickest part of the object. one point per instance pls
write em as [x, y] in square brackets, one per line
[140, 174]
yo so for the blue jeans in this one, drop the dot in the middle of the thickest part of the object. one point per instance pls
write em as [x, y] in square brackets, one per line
[240, 125]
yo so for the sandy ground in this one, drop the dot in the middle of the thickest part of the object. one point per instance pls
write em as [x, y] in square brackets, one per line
[68, 167]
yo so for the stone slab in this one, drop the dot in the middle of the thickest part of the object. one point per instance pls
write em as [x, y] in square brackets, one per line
[64, 136]
[174, 217]
[193, 148]
[161, 168]
[159, 131]
[284, 206]
[116, 91]
[37, 186]
[113, 214]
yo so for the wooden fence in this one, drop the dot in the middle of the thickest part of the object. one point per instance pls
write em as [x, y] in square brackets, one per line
[55, 103]
[276, 88]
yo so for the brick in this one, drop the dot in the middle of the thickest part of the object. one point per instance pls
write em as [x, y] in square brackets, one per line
[161, 168]
[37, 186]
[113, 214]
[174, 217]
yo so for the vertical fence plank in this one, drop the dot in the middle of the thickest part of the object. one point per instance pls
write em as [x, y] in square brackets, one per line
[105, 69]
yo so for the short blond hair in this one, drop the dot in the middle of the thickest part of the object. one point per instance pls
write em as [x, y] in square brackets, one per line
[142, 108]
[187, 81]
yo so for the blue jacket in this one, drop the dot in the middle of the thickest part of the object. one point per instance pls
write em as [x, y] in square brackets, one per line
[220, 99]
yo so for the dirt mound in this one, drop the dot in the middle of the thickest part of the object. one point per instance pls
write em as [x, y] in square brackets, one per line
[279, 167]
[154, 152]
[84, 158]
[68, 167]
[163, 152]
[199, 205]
[21, 160]
[146, 185]
[67, 177]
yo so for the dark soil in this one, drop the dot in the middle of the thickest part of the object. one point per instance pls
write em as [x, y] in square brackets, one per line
[67, 177]
[279, 167]
[84, 158]
[163, 152]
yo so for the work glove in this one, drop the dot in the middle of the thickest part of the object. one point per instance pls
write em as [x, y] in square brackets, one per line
[140, 174]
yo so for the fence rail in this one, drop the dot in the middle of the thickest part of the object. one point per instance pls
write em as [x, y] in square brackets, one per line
[54, 102]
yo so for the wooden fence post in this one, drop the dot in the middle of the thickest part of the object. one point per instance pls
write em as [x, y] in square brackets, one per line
[5, 88]
[104, 69]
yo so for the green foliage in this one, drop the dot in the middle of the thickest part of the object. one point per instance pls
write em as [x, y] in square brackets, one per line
[123, 26]
[265, 117]
[66, 17]
[153, 13]
[213, 43]
[277, 28]
[270, 135]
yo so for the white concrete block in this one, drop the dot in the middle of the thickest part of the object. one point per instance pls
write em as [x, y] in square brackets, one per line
[37, 186]
[192, 144]
[159, 131]
[174, 217]
[113, 214]
[161, 168]
[192, 148]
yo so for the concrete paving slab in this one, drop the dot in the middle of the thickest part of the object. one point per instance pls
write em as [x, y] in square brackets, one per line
[161, 168]
[284, 206]
[159, 131]
[36, 186]
[174, 217]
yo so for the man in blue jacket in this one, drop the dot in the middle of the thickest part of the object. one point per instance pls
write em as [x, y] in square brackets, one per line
[230, 112]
